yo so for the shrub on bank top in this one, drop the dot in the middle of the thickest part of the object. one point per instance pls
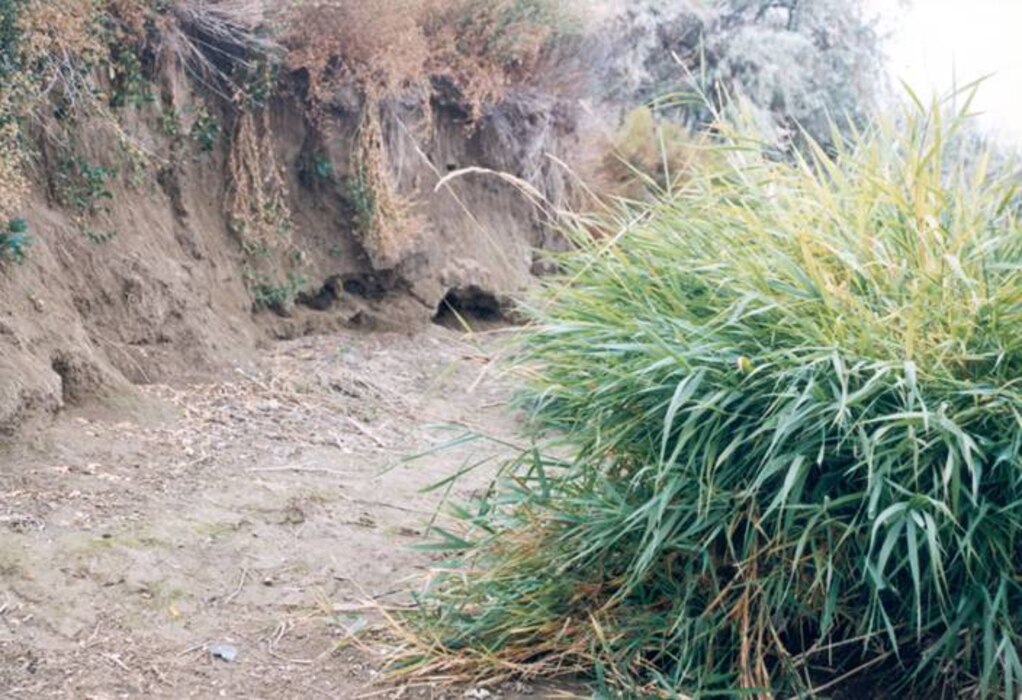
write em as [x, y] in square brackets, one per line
[789, 394]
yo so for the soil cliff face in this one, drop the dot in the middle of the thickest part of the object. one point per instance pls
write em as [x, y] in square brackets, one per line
[138, 273]
[473, 231]
[198, 221]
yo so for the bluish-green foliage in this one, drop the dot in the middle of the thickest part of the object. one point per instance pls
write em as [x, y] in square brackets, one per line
[14, 241]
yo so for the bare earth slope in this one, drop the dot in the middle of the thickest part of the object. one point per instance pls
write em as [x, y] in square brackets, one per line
[248, 509]
[147, 279]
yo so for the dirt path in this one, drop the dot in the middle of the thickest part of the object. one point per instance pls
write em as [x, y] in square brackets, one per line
[249, 511]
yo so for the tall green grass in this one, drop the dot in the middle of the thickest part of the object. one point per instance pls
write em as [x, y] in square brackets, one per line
[791, 401]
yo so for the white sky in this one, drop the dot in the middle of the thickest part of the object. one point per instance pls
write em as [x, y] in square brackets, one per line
[935, 41]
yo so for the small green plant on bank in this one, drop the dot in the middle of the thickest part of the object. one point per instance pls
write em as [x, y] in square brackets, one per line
[275, 226]
[316, 168]
[322, 167]
[137, 162]
[170, 123]
[14, 241]
[272, 294]
[84, 185]
[788, 400]
[131, 87]
[257, 81]
[205, 130]
[97, 237]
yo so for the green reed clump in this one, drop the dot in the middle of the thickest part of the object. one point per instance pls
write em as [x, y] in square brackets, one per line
[791, 392]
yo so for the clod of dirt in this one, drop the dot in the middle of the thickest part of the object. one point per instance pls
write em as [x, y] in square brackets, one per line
[79, 378]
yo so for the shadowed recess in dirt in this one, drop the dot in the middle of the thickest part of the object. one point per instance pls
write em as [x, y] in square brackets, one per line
[471, 303]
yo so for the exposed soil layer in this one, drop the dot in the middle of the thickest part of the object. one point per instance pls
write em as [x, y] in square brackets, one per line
[253, 508]
[142, 274]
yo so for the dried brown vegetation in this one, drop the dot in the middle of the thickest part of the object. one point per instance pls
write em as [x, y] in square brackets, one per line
[13, 184]
[378, 47]
[483, 47]
[43, 46]
[259, 210]
[67, 52]
[479, 49]
[64, 61]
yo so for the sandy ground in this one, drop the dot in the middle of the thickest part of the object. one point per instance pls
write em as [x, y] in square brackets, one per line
[254, 510]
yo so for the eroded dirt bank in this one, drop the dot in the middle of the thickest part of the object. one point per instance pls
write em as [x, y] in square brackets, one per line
[251, 508]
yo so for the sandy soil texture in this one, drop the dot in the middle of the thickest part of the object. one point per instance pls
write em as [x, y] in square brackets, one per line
[250, 514]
